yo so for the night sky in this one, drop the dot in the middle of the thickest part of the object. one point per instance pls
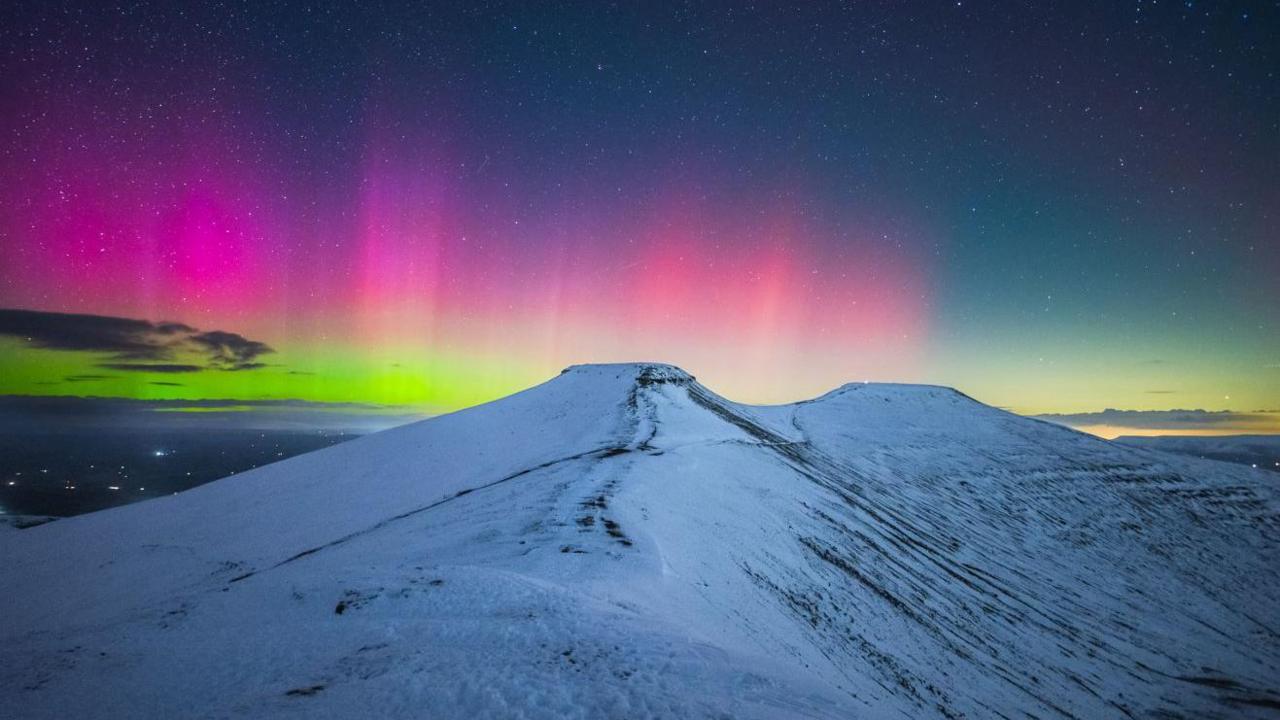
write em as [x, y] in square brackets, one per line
[1057, 208]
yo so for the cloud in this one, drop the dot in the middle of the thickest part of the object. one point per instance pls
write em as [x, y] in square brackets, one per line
[66, 331]
[229, 351]
[1171, 420]
[152, 367]
[168, 384]
[88, 378]
[133, 345]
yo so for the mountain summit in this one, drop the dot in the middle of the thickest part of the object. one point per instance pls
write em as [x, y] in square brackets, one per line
[622, 542]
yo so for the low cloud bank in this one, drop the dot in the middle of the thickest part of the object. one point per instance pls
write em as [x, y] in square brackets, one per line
[133, 345]
[1112, 422]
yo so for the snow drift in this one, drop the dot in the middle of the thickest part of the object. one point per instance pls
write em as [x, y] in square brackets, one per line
[622, 542]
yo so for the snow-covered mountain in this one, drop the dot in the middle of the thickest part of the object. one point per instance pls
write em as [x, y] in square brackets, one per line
[622, 542]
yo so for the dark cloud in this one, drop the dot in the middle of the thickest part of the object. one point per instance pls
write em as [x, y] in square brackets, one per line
[229, 351]
[1221, 420]
[300, 372]
[167, 384]
[88, 378]
[135, 345]
[152, 367]
[66, 331]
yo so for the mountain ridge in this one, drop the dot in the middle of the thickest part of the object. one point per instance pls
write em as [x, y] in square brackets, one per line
[620, 540]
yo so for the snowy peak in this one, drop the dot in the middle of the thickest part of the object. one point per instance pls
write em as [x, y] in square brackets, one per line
[906, 398]
[620, 540]
[638, 373]
[902, 390]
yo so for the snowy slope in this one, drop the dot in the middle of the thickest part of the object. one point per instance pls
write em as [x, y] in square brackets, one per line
[622, 542]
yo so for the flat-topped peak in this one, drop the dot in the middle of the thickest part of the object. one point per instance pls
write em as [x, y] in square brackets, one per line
[892, 390]
[644, 373]
[899, 388]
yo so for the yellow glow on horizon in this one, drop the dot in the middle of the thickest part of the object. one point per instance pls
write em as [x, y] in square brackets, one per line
[1111, 432]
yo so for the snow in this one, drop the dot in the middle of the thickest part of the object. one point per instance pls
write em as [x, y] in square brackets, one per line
[22, 522]
[622, 542]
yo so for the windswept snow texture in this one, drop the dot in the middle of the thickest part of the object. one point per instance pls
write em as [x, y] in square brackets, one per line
[620, 542]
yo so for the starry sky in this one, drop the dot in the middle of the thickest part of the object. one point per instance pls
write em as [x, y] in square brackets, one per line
[1055, 207]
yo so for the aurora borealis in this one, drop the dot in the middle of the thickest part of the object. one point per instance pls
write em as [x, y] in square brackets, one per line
[1056, 209]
